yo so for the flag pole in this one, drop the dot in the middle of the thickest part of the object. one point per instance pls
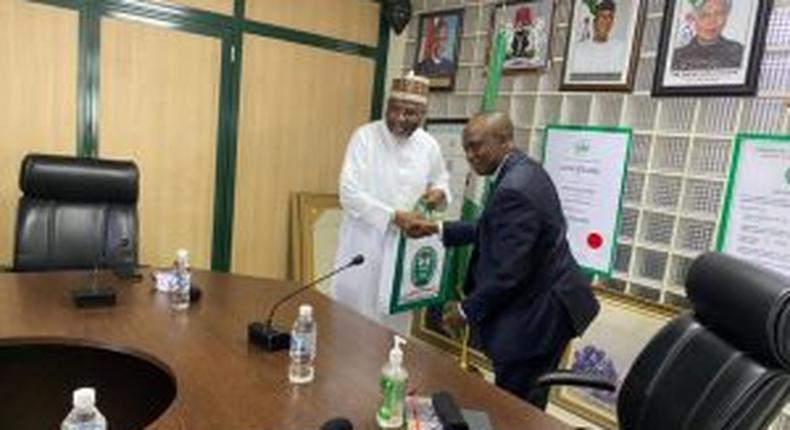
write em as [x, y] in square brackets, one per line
[490, 95]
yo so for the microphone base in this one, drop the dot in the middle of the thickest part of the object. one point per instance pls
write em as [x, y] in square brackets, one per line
[93, 297]
[268, 337]
[195, 294]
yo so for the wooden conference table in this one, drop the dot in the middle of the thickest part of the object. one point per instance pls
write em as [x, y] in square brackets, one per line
[223, 383]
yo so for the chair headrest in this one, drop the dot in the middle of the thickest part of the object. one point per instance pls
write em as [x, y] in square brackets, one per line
[79, 179]
[747, 305]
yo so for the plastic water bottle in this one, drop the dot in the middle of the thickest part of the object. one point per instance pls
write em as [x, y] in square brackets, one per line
[179, 295]
[84, 415]
[303, 347]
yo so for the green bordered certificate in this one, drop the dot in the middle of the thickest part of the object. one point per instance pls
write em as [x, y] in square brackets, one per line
[588, 167]
[755, 222]
[418, 273]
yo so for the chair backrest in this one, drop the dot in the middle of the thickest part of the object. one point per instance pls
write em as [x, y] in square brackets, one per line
[76, 213]
[722, 366]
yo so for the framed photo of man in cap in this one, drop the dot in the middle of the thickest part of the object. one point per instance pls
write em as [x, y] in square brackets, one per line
[710, 47]
[438, 43]
[528, 25]
[602, 48]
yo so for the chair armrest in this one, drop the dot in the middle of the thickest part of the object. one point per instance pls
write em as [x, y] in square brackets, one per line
[566, 377]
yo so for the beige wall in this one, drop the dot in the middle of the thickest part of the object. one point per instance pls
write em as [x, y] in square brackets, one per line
[352, 20]
[296, 116]
[38, 75]
[159, 104]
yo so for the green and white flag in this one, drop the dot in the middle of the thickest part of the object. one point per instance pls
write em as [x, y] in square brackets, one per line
[457, 259]
[418, 275]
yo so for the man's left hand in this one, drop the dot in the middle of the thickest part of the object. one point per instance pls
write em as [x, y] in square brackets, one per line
[433, 199]
[452, 319]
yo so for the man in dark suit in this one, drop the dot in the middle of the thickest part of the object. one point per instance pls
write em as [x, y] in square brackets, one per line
[525, 293]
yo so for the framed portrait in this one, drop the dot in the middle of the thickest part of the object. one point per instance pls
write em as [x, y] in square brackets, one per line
[608, 349]
[528, 28]
[438, 44]
[711, 47]
[602, 48]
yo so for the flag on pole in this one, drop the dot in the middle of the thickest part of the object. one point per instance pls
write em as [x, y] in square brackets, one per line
[476, 186]
[494, 74]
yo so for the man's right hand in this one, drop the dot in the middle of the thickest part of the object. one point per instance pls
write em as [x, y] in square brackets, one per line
[421, 228]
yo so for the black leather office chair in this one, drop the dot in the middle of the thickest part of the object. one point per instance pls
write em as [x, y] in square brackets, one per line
[722, 366]
[76, 213]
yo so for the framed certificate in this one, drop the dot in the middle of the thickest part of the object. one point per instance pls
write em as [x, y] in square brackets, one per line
[588, 166]
[755, 222]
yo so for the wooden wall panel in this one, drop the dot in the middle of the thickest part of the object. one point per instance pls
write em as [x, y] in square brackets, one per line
[352, 20]
[296, 116]
[220, 6]
[159, 104]
[38, 84]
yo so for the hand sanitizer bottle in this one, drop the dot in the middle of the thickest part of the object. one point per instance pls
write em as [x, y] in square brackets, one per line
[393, 389]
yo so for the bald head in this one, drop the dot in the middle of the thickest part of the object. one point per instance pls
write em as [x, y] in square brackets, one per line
[496, 123]
[488, 138]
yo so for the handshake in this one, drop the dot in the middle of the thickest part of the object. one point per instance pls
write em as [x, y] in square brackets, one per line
[414, 225]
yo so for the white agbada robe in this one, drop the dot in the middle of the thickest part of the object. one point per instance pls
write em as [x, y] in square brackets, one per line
[380, 175]
[594, 57]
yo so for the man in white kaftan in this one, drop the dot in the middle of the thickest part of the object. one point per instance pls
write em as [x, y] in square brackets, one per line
[390, 165]
[603, 53]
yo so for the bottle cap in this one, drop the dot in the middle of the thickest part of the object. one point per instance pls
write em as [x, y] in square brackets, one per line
[182, 254]
[84, 398]
[305, 311]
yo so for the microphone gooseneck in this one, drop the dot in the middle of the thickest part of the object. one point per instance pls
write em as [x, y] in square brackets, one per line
[265, 335]
[356, 261]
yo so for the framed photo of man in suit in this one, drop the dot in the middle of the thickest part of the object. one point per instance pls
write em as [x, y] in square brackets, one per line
[711, 47]
[438, 43]
[602, 49]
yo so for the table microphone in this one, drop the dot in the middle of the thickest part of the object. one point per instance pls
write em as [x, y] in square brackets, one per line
[269, 338]
[94, 296]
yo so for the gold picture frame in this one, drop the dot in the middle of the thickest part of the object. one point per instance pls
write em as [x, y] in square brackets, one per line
[613, 341]
[315, 220]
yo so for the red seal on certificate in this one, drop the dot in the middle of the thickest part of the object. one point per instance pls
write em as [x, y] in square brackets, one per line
[594, 240]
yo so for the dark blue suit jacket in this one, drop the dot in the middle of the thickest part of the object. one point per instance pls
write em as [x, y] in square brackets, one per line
[523, 285]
